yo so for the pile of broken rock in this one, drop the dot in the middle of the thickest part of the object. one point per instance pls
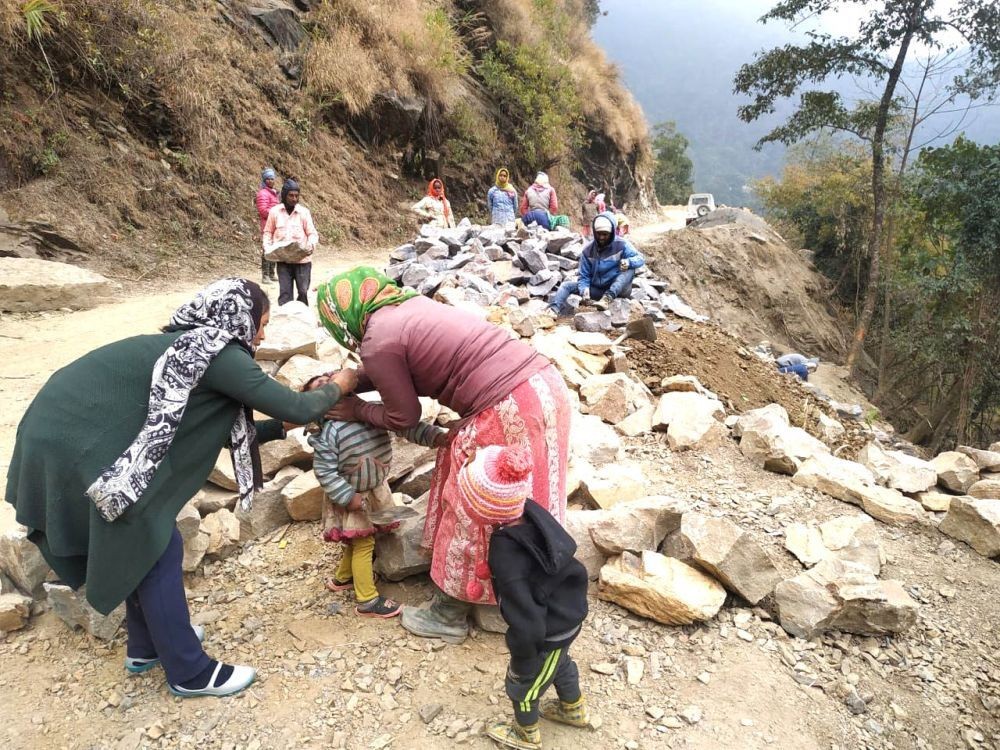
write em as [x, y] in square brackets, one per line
[517, 270]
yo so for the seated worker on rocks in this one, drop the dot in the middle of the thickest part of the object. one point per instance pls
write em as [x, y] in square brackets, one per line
[793, 362]
[607, 268]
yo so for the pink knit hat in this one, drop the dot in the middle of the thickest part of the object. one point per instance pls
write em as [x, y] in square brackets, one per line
[495, 484]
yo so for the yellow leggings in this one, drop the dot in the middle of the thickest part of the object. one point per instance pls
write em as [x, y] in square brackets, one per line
[357, 564]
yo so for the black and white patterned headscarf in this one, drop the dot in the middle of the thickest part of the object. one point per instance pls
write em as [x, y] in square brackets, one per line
[227, 311]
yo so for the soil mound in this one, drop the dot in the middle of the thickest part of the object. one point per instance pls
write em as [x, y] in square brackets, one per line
[741, 379]
[744, 275]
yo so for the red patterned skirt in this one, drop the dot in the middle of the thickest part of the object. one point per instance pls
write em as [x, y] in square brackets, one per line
[535, 415]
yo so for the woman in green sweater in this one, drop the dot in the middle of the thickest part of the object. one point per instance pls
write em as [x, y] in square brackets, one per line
[118, 441]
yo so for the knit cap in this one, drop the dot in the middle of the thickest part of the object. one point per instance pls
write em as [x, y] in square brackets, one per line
[602, 224]
[495, 484]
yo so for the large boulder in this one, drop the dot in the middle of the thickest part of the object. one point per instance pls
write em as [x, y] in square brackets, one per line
[956, 471]
[637, 525]
[639, 422]
[74, 610]
[764, 418]
[985, 460]
[939, 502]
[574, 365]
[591, 342]
[593, 441]
[777, 447]
[689, 419]
[277, 454]
[986, 488]
[287, 335]
[399, 553]
[578, 525]
[612, 484]
[806, 543]
[898, 470]
[211, 498]
[727, 553]
[268, 511]
[300, 369]
[222, 474]
[888, 505]
[20, 559]
[223, 530]
[840, 595]
[660, 588]
[32, 285]
[304, 497]
[15, 610]
[976, 522]
[834, 476]
[830, 430]
[613, 397]
[854, 539]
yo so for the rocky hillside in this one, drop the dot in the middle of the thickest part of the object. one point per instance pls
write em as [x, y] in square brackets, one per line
[137, 129]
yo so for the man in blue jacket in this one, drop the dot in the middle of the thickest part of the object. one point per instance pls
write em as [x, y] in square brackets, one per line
[607, 268]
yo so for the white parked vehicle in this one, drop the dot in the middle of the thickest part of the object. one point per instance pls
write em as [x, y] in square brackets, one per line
[699, 204]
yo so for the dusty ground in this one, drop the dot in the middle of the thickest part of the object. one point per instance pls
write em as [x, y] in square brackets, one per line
[335, 680]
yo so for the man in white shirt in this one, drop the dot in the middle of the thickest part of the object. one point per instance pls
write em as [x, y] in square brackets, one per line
[290, 221]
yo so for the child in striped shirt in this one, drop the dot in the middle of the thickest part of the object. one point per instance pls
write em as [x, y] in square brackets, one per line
[351, 462]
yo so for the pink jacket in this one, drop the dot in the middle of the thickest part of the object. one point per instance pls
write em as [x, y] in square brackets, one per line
[267, 198]
[297, 226]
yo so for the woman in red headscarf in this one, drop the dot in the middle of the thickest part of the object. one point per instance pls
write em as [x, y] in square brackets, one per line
[435, 206]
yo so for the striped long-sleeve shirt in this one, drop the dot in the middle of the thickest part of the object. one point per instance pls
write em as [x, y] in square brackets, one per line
[352, 457]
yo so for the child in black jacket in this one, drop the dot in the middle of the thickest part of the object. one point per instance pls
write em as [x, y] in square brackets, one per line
[540, 587]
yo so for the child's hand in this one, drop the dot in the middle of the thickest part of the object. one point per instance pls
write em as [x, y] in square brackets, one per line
[357, 502]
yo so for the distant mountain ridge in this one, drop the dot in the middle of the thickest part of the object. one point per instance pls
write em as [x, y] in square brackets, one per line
[679, 60]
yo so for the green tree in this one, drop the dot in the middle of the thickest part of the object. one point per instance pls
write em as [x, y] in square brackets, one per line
[672, 174]
[878, 52]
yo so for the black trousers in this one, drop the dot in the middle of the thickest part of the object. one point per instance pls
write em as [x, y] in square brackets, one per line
[526, 683]
[299, 274]
[267, 268]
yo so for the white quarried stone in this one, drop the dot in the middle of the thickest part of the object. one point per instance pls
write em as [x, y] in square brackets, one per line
[661, 588]
[976, 522]
[594, 442]
[956, 471]
[32, 285]
[985, 460]
[300, 369]
[74, 610]
[304, 497]
[689, 419]
[898, 470]
[986, 488]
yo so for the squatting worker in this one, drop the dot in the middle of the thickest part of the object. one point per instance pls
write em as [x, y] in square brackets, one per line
[504, 391]
[117, 442]
[607, 268]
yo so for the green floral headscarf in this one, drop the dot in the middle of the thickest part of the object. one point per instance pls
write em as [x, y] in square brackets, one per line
[348, 298]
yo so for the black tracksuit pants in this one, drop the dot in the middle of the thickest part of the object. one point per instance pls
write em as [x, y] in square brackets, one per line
[526, 682]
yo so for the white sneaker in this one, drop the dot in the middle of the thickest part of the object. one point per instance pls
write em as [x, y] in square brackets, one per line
[241, 678]
[137, 666]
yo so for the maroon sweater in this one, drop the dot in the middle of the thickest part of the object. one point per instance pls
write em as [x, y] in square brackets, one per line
[425, 348]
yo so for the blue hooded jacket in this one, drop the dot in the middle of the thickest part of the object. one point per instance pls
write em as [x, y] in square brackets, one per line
[599, 266]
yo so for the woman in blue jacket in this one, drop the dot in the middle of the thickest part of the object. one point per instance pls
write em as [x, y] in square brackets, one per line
[607, 267]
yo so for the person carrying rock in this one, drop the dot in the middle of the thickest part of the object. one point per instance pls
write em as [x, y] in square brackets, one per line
[117, 442]
[501, 200]
[351, 462]
[607, 268]
[541, 196]
[503, 391]
[540, 587]
[793, 362]
[267, 198]
[435, 206]
[592, 206]
[290, 221]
